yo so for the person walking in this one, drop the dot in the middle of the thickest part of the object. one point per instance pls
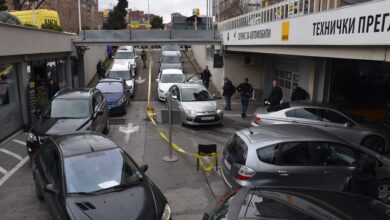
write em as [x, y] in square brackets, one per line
[143, 57]
[364, 181]
[276, 94]
[245, 89]
[52, 88]
[109, 51]
[298, 94]
[100, 69]
[205, 76]
[228, 91]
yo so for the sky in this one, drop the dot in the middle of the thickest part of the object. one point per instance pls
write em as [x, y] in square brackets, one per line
[161, 7]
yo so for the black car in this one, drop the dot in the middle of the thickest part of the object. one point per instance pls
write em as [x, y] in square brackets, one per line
[117, 94]
[70, 110]
[297, 204]
[87, 176]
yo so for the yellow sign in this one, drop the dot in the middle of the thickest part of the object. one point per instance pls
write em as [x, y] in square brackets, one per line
[105, 13]
[285, 30]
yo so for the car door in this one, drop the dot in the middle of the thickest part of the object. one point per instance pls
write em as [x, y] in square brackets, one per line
[297, 165]
[50, 178]
[97, 119]
[339, 161]
[339, 125]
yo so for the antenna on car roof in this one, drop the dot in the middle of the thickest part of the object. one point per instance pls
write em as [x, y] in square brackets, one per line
[250, 131]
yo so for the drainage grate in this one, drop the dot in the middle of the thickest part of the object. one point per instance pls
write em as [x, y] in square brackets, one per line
[118, 121]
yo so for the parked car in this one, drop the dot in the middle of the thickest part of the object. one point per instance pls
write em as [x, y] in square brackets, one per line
[87, 176]
[123, 71]
[296, 204]
[126, 55]
[171, 49]
[351, 128]
[295, 155]
[69, 110]
[117, 94]
[171, 62]
[196, 104]
[166, 79]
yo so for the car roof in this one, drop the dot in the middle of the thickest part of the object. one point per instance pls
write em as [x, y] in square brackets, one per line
[74, 93]
[119, 66]
[125, 48]
[116, 79]
[81, 143]
[172, 71]
[287, 131]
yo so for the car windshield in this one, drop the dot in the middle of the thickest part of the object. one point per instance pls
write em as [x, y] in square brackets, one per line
[98, 171]
[196, 94]
[121, 74]
[110, 87]
[124, 55]
[68, 108]
[170, 59]
[171, 48]
[172, 78]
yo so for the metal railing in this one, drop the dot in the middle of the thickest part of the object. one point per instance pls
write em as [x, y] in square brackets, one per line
[280, 11]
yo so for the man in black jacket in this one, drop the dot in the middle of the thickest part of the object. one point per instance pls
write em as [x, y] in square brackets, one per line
[245, 89]
[298, 94]
[276, 94]
[205, 77]
[100, 69]
[228, 91]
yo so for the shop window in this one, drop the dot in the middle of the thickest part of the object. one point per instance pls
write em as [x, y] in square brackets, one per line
[4, 85]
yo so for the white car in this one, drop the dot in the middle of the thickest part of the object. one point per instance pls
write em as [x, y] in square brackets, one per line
[171, 53]
[125, 55]
[123, 71]
[171, 50]
[166, 79]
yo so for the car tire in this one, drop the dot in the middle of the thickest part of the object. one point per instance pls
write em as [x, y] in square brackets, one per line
[374, 143]
[106, 129]
[38, 192]
[384, 191]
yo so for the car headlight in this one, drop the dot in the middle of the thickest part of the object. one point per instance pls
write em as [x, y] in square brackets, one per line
[219, 111]
[121, 101]
[160, 90]
[190, 112]
[167, 213]
[31, 137]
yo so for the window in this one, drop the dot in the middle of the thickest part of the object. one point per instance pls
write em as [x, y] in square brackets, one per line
[297, 153]
[304, 113]
[237, 149]
[332, 116]
[337, 154]
[268, 154]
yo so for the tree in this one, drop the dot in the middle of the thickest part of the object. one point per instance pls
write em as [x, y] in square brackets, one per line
[6, 17]
[116, 18]
[18, 5]
[51, 26]
[157, 22]
[3, 5]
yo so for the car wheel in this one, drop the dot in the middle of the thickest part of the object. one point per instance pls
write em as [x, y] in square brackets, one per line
[374, 143]
[107, 127]
[38, 192]
[384, 191]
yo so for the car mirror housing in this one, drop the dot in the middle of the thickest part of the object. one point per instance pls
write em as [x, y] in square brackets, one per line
[49, 188]
[144, 168]
[348, 124]
[174, 97]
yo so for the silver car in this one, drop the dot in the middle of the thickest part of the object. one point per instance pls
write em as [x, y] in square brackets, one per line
[295, 155]
[351, 128]
[196, 104]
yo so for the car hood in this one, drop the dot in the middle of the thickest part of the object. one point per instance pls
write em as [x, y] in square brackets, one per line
[143, 201]
[112, 97]
[50, 126]
[171, 66]
[124, 61]
[204, 106]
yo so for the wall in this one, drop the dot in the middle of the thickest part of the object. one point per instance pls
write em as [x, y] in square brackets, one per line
[91, 58]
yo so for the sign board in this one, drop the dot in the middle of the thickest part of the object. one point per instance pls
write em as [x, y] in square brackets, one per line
[365, 24]
[135, 24]
[105, 13]
[196, 11]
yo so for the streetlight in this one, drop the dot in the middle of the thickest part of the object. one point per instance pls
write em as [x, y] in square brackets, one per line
[79, 16]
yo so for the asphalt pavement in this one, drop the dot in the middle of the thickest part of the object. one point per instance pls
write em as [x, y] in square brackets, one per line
[189, 192]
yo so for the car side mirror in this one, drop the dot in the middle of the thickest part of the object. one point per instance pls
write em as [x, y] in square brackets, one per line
[174, 97]
[144, 167]
[348, 124]
[49, 188]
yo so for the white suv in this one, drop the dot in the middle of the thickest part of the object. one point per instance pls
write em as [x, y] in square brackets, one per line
[166, 79]
[125, 55]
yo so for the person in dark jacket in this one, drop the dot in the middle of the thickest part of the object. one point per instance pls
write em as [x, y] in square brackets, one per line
[100, 69]
[276, 94]
[52, 88]
[364, 181]
[228, 91]
[298, 94]
[245, 89]
[205, 76]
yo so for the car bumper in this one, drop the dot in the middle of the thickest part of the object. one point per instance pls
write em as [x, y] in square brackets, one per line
[212, 119]
[116, 109]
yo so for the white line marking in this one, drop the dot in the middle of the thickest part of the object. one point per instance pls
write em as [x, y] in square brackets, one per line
[11, 153]
[11, 172]
[3, 171]
[12, 137]
[19, 142]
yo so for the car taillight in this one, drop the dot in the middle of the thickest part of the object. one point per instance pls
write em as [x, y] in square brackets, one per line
[245, 173]
[256, 118]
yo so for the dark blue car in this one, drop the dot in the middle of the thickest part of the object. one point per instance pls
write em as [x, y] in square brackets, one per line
[116, 93]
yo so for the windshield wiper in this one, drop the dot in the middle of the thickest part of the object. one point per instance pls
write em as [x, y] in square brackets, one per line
[120, 187]
[82, 193]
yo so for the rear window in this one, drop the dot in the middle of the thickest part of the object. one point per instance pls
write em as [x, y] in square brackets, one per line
[268, 154]
[237, 149]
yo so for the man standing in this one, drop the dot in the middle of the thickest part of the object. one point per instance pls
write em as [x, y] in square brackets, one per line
[205, 77]
[245, 89]
[100, 69]
[228, 91]
[143, 57]
[276, 94]
[298, 94]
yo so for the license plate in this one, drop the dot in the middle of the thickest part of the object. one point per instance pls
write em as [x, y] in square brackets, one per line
[207, 118]
[227, 164]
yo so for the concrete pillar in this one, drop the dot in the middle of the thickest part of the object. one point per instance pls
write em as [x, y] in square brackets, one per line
[80, 70]
[23, 78]
[68, 72]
